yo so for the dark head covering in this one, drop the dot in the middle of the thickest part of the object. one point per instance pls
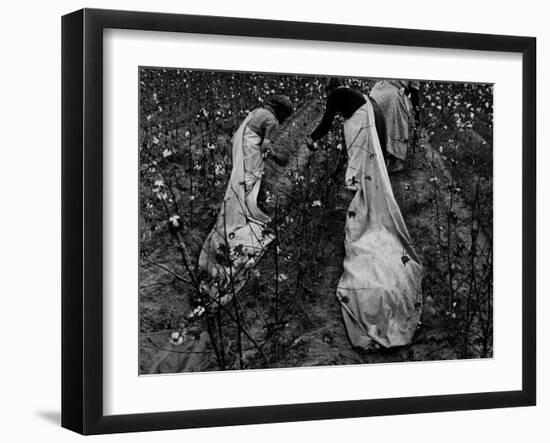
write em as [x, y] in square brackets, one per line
[333, 83]
[281, 105]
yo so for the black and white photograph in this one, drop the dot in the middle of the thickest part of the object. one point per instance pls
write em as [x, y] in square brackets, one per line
[291, 220]
[244, 222]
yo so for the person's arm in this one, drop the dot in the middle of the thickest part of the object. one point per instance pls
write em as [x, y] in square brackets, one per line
[279, 156]
[326, 122]
[380, 124]
[270, 127]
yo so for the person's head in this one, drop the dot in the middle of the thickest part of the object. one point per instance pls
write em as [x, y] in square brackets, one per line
[281, 105]
[332, 84]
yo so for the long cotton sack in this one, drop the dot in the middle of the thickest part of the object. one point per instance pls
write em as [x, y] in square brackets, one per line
[380, 288]
[239, 238]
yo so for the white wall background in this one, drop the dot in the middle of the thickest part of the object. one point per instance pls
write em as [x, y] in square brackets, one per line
[30, 221]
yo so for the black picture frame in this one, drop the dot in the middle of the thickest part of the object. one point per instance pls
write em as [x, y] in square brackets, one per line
[82, 220]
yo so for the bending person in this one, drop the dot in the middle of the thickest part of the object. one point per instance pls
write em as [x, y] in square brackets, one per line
[380, 288]
[399, 101]
[239, 237]
[344, 101]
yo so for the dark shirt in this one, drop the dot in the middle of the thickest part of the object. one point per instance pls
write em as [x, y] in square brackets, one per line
[347, 101]
[380, 123]
[344, 101]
